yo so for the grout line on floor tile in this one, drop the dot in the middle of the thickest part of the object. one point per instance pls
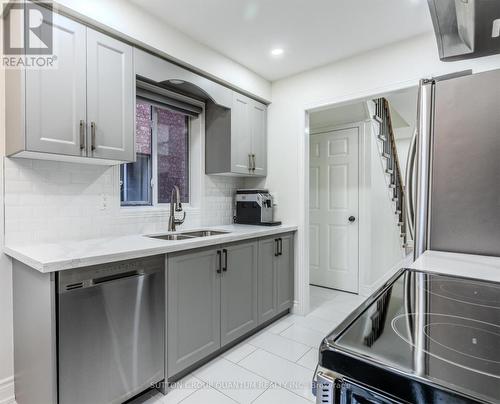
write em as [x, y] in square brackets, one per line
[265, 350]
[280, 357]
[244, 368]
[256, 398]
[189, 395]
[286, 328]
[247, 355]
[216, 389]
[194, 391]
[297, 362]
[256, 374]
[291, 339]
[271, 381]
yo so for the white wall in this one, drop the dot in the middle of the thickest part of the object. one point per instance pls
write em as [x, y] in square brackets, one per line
[6, 359]
[373, 73]
[403, 147]
[133, 22]
[385, 244]
[47, 201]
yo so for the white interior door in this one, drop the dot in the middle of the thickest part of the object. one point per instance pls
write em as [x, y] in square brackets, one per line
[333, 209]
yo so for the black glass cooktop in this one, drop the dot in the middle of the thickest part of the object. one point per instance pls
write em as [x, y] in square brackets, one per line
[437, 330]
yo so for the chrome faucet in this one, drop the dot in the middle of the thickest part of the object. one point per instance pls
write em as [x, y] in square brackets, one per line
[175, 206]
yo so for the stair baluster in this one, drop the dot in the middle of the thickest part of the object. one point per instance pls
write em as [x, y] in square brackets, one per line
[389, 152]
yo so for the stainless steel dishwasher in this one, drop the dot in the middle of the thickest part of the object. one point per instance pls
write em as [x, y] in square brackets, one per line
[111, 331]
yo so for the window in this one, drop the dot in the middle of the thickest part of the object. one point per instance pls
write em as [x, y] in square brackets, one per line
[162, 147]
[172, 153]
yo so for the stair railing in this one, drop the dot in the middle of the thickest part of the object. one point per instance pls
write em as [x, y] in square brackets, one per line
[393, 168]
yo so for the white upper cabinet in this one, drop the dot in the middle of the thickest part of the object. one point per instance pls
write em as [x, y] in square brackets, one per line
[110, 97]
[82, 109]
[56, 98]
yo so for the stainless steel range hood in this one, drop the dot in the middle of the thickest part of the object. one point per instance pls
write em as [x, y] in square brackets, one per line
[466, 29]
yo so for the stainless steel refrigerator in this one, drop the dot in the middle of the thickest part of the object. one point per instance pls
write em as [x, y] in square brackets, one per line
[453, 170]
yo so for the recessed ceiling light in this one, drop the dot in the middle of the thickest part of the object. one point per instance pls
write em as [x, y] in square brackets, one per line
[277, 52]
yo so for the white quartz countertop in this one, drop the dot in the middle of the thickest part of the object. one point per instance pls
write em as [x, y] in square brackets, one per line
[466, 265]
[51, 257]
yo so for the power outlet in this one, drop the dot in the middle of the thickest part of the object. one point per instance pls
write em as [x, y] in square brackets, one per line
[275, 198]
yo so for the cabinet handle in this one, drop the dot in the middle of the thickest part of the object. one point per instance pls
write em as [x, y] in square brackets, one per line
[249, 162]
[82, 134]
[92, 136]
[219, 257]
[276, 247]
[224, 268]
[253, 162]
[280, 242]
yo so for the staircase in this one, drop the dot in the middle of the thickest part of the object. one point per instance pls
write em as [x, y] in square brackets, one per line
[392, 167]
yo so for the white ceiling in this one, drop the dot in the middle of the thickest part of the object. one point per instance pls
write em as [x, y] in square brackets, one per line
[311, 32]
[403, 104]
[328, 118]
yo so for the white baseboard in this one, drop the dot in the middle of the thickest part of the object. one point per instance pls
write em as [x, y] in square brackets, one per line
[7, 391]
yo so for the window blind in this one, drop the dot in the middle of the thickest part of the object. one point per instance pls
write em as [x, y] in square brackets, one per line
[169, 99]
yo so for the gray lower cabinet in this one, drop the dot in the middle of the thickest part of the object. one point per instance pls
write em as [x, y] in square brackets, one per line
[193, 307]
[275, 276]
[284, 273]
[267, 279]
[219, 294]
[238, 290]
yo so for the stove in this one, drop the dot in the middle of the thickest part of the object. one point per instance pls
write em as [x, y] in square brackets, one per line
[422, 338]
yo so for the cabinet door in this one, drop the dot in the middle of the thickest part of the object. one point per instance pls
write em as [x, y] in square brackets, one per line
[284, 273]
[193, 319]
[238, 290]
[110, 97]
[267, 279]
[56, 98]
[258, 124]
[241, 140]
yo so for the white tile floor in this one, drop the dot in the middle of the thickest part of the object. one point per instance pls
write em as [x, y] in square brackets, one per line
[274, 366]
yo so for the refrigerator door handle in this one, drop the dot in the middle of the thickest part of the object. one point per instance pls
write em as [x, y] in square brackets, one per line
[409, 181]
[424, 159]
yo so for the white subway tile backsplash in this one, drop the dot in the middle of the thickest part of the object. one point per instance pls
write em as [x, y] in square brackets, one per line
[47, 201]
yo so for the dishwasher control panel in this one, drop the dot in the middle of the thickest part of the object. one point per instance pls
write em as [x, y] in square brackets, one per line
[98, 274]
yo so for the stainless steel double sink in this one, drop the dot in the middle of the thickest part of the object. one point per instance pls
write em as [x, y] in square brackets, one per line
[187, 235]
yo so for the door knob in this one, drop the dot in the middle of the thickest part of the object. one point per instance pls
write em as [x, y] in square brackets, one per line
[352, 219]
